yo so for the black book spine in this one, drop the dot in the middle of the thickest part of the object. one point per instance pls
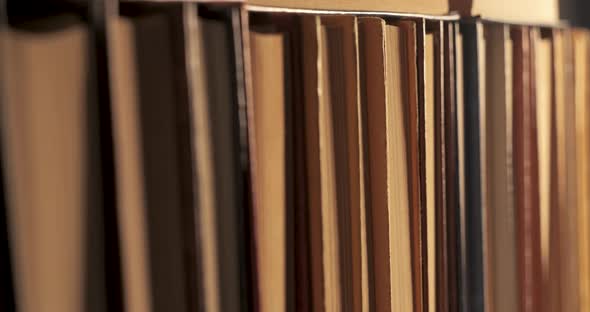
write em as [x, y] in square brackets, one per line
[472, 291]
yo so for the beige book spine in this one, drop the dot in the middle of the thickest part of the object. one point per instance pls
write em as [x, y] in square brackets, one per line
[129, 164]
[429, 132]
[566, 168]
[270, 209]
[44, 135]
[582, 72]
[502, 284]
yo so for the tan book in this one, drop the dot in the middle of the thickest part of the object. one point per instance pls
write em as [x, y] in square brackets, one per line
[563, 54]
[581, 40]
[44, 144]
[502, 282]
[434, 7]
[544, 97]
[384, 63]
[128, 154]
[342, 167]
[269, 176]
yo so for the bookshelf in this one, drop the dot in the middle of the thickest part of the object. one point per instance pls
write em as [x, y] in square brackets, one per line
[279, 155]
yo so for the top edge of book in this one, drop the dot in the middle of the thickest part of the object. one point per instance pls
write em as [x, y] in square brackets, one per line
[384, 14]
[531, 12]
[518, 12]
[427, 7]
[560, 24]
[536, 12]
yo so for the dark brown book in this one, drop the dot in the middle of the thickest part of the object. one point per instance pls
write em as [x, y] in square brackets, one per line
[342, 166]
[414, 46]
[526, 172]
[153, 159]
[440, 203]
[7, 286]
[460, 239]
[385, 98]
[419, 220]
[213, 44]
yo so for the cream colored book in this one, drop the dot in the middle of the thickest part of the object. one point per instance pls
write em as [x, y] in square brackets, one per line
[544, 98]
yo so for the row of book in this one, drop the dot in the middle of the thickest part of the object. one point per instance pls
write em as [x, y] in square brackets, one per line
[282, 156]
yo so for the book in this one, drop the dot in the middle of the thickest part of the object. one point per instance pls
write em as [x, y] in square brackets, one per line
[501, 283]
[310, 32]
[460, 214]
[472, 209]
[581, 51]
[544, 96]
[384, 60]
[45, 160]
[346, 261]
[526, 170]
[128, 158]
[294, 156]
[430, 98]
[450, 188]
[269, 176]
[563, 54]
[7, 287]
[154, 161]
[219, 153]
